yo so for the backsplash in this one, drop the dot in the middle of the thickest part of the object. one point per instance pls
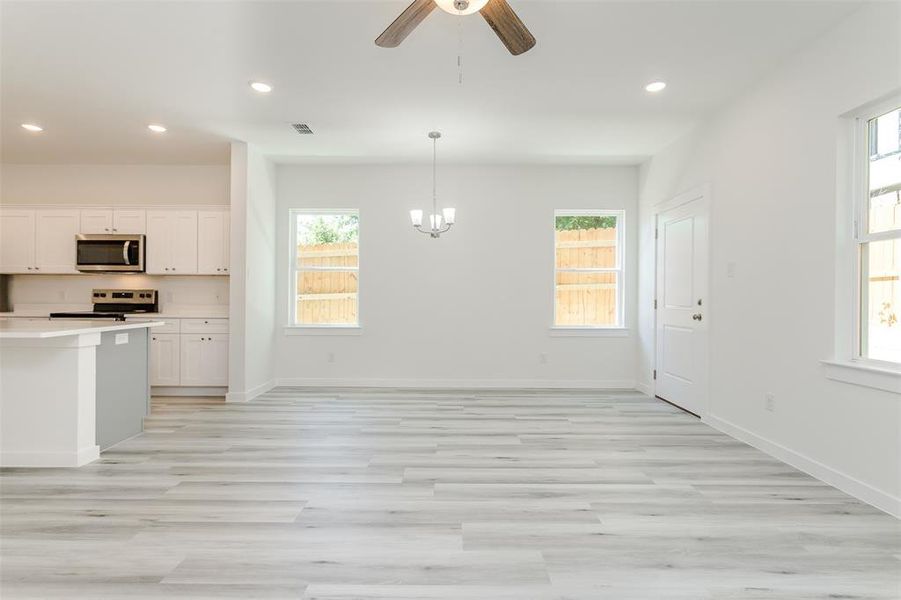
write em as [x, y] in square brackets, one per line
[183, 290]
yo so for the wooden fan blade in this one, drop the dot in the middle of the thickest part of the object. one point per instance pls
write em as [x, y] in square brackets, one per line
[405, 23]
[513, 33]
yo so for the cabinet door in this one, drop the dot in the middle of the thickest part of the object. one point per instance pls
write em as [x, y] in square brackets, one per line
[192, 350]
[184, 247]
[204, 359]
[96, 220]
[160, 238]
[216, 359]
[212, 242]
[17, 241]
[164, 359]
[55, 232]
[127, 221]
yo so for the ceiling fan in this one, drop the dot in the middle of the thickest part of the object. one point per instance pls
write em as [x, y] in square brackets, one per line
[513, 33]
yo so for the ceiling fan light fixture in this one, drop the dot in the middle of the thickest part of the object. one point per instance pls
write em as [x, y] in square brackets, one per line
[461, 7]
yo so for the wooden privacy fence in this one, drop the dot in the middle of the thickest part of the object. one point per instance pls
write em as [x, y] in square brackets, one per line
[585, 298]
[326, 296]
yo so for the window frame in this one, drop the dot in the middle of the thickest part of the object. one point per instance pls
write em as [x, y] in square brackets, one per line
[861, 237]
[619, 269]
[294, 269]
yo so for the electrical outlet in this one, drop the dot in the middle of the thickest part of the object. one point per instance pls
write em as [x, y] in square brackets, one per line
[331, 357]
[770, 402]
[542, 358]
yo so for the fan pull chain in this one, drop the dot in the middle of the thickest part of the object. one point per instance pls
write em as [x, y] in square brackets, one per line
[460, 51]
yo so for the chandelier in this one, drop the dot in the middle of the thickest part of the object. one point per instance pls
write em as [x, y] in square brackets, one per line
[438, 222]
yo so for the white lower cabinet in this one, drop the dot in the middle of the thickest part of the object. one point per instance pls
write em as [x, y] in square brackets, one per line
[204, 359]
[165, 359]
[189, 353]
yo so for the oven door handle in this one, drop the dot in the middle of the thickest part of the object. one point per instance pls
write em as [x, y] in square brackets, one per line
[125, 253]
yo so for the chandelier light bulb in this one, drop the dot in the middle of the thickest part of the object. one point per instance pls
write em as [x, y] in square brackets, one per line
[435, 221]
[450, 215]
[416, 217]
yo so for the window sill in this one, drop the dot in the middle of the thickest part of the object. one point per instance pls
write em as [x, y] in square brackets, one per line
[857, 373]
[589, 332]
[326, 330]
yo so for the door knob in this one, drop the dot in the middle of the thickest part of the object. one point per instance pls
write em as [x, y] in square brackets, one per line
[697, 317]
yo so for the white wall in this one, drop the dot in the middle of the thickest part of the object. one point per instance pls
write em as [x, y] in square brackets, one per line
[113, 184]
[472, 308]
[253, 260]
[771, 161]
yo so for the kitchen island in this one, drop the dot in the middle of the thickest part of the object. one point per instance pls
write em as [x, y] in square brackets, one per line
[69, 389]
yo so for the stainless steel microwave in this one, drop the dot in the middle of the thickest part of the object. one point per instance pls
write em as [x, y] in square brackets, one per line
[109, 253]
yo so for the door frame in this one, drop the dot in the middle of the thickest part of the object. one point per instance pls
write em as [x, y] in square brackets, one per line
[700, 194]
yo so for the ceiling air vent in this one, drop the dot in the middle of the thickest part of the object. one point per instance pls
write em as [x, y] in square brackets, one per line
[302, 128]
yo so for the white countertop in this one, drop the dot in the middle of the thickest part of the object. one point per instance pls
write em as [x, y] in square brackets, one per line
[40, 328]
[182, 311]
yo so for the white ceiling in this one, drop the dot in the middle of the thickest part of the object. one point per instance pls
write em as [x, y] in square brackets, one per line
[94, 74]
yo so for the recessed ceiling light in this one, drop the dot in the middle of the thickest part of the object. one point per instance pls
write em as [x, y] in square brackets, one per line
[32, 127]
[259, 86]
[156, 128]
[655, 86]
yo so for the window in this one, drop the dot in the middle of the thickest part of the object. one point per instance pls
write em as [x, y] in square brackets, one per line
[879, 238]
[325, 268]
[588, 272]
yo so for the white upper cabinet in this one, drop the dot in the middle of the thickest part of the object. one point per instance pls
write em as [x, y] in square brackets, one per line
[171, 242]
[96, 220]
[55, 232]
[113, 221]
[129, 221]
[179, 242]
[212, 242]
[17, 241]
[38, 241]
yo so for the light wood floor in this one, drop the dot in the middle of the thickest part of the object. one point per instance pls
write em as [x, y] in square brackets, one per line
[518, 496]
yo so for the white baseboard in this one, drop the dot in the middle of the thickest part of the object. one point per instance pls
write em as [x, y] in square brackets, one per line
[251, 393]
[644, 388]
[581, 384]
[854, 487]
[50, 459]
[178, 391]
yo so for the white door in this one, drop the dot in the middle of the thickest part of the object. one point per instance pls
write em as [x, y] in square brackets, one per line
[16, 241]
[212, 242]
[96, 220]
[129, 221]
[164, 359]
[681, 365]
[184, 247]
[55, 232]
[160, 237]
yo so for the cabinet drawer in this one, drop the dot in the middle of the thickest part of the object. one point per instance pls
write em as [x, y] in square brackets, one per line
[171, 325]
[204, 326]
